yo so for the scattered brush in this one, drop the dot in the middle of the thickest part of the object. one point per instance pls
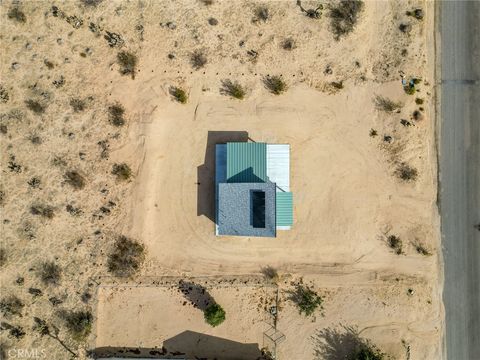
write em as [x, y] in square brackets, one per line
[17, 15]
[275, 84]
[307, 300]
[115, 114]
[179, 94]
[74, 179]
[126, 258]
[198, 59]
[49, 273]
[121, 171]
[344, 16]
[395, 243]
[406, 173]
[233, 89]
[385, 104]
[11, 306]
[127, 62]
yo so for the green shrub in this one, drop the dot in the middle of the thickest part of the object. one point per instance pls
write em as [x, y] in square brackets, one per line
[410, 89]
[49, 273]
[306, 299]
[127, 62]
[126, 257]
[121, 171]
[367, 352]
[214, 315]
[275, 84]
[233, 89]
[78, 323]
[179, 95]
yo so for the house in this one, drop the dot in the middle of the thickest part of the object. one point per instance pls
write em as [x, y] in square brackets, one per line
[252, 185]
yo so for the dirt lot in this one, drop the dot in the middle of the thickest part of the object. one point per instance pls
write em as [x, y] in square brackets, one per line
[61, 77]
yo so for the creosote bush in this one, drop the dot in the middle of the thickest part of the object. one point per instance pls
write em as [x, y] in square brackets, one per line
[74, 179]
[385, 104]
[233, 89]
[35, 106]
[115, 115]
[214, 315]
[406, 173]
[78, 323]
[198, 59]
[306, 299]
[126, 257]
[121, 171]
[11, 305]
[127, 62]
[275, 84]
[179, 94]
[344, 17]
[49, 273]
[17, 15]
[395, 243]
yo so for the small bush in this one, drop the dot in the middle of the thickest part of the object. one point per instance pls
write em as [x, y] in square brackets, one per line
[395, 243]
[262, 14]
[373, 133]
[385, 104]
[121, 171]
[311, 13]
[406, 173]
[198, 59]
[270, 273]
[233, 89]
[49, 273]
[77, 105]
[214, 315]
[14, 331]
[78, 323]
[113, 39]
[410, 89]
[419, 101]
[126, 258]
[422, 249]
[115, 115]
[74, 179]
[336, 85]
[17, 15]
[179, 95]
[3, 257]
[288, 44]
[45, 211]
[127, 62]
[11, 305]
[35, 106]
[275, 84]
[306, 299]
[344, 17]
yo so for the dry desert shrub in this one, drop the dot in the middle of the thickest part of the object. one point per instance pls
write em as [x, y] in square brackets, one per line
[344, 16]
[395, 243]
[115, 115]
[3, 257]
[121, 171]
[306, 299]
[126, 257]
[385, 104]
[288, 44]
[42, 210]
[78, 105]
[74, 179]
[128, 63]
[17, 15]
[179, 94]
[35, 106]
[406, 173]
[275, 84]
[13, 330]
[262, 14]
[198, 59]
[78, 323]
[421, 249]
[233, 89]
[11, 306]
[49, 273]
[270, 273]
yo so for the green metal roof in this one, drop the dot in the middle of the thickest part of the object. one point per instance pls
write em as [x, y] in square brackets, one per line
[284, 204]
[246, 162]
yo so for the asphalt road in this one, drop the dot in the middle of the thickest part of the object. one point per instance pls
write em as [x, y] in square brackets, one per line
[460, 175]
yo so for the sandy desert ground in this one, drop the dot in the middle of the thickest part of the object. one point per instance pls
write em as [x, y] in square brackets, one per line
[60, 79]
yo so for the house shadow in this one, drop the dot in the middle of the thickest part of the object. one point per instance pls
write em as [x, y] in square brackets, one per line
[206, 171]
[196, 294]
[201, 346]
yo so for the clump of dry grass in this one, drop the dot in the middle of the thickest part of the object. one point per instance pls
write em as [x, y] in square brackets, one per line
[179, 94]
[275, 84]
[385, 104]
[126, 257]
[121, 171]
[198, 59]
[344, 16]
[128, 63]
[233, 89]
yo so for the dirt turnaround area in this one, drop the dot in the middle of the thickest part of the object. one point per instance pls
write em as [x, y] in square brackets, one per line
[110, 112]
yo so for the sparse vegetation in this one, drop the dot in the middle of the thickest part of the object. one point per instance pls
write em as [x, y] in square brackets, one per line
[78, 105]
[262, 14]
[385, 104]
[121, 171]
[74, 179]
[179, 94]
[344, 16]
[115, 115]
[288, 44]
[198, 59]
[307, 300]
[45, 211]
[17, 15]
[406, 173]
[233, 89]
[421, 249]
[78, 323]
[13, 330]
[214, 315]
[275, 84]
[35, 106]
[395, 243]
[126, 258]
[49, 273]
[127, 62]
[3, 257]
[270, 273]
[11, 306]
